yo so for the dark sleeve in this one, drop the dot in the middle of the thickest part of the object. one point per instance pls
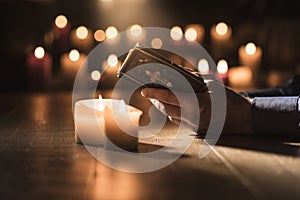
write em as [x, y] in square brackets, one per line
[276, 115]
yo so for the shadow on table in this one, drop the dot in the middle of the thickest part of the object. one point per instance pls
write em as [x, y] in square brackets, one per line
[279, 145]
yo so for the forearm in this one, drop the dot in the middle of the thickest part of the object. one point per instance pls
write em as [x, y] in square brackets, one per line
[275, 115]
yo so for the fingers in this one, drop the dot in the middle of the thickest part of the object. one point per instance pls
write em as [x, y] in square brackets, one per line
[162, 95]
[167, 109]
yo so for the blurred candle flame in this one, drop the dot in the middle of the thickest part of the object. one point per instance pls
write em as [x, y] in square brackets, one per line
[222, 66]
[221, 28]
[82, 32]
[61, 21]
[203, 66]
[96, 75]
[74, 55]
[111, 32]
[250, 48]
[176, 33]
[136, 30]
[39, 52]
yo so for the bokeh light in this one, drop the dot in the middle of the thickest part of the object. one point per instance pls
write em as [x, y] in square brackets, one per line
[96, 75]
[222, 66]
[203, 66]
[39, 52]
[82, 32]
[111, 32]
[112, 60]
[136, 30]
[221, 28]
[190, 34]
[61, 21]
[156, 43]
[74, 55]
[99, 35]
[250, 48]
[176, 33]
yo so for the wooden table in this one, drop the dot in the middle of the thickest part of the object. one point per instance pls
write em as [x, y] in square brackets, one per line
[39, 160]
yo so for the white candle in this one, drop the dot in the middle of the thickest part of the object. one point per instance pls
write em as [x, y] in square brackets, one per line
[114, 119]
[250, 55]
[240, 77]
[82, 38]
[70, 63]
[220, 39]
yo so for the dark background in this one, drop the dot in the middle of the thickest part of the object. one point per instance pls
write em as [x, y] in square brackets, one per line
[272, 24]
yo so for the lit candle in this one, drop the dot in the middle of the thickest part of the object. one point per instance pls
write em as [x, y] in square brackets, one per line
[82, 38]
[70, 63]
[96, 118]
[250, 55]
[39, 67]
[240, 77]
[222, 71]
[61, 33]
[220, 39]
[194, 32]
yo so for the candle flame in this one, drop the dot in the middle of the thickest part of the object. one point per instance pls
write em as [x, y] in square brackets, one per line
[39, 52]
[100, 103]
[156, 43]
[203, 66]
[136, 30]
[99, 35]
[82, 32]
[250, 48]
[221, 28]
[61, 21]
[176, 33]
[190, 34]
[112, 60]
[111, 32]
[95, 75]
[74, 55]
[222, 67]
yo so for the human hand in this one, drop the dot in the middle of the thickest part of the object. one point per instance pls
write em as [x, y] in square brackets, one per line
[238, 114]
